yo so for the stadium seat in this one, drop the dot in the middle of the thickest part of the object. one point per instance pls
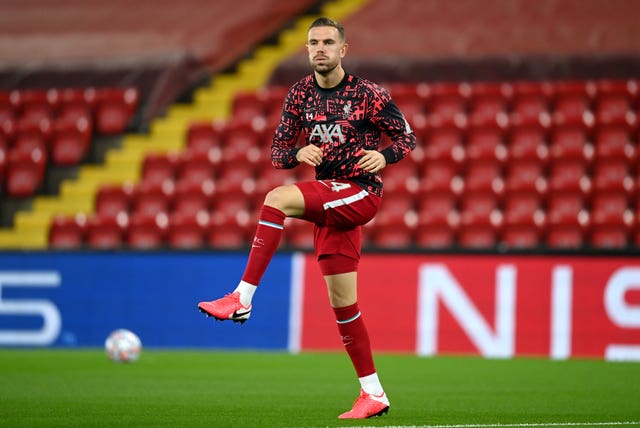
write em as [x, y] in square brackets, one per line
[29, 135]
[483, 177]
[567, 220]
[106, 231]
[270, 177]
[70, 141]
[614, 101]
[114, 108]
[447, 103]
[523, 220]
[202, 136]
[152, 198]
[612, 175]
[434, 236]
[485, 143]
[569, 175]
[229, 236]
[437, 220]
[74, 106]
[611, 220]
[67, 232]
[528, 142]
[488, 103]
[530, 103]
[158, 167]
[525, 176]
[402, 177]
[480, 220]
[570, 141]
[614, 141]
[35, 105]
[444, 144]
[395, 237]
[236, 177]
[187, 230]
[146, 230]
[247, 104]
[190, 197]
[198, 166]
[299, 234]
[395, 210]
[440, 176]
[112, 199]
[24, 172]
[572, 100]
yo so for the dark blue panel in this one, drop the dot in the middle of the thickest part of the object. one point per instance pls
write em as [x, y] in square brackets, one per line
[154, 294]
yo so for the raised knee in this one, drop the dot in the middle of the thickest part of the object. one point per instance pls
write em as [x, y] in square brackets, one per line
[276, 198]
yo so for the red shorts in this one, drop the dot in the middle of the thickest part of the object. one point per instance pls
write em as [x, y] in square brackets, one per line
[338, 208]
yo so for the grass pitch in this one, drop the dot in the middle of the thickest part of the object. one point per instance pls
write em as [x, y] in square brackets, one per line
[69, 388]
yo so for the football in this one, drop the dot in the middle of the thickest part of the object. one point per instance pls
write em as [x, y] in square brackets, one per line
[123, 346]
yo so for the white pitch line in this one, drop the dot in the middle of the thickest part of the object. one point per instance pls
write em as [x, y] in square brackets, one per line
[501, 425]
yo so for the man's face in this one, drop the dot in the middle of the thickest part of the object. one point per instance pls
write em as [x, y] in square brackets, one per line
[325, 48]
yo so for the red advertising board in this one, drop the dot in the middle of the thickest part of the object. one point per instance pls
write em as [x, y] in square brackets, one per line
[496, 306]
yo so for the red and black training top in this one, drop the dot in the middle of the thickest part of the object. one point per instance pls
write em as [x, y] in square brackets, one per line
[343, 121]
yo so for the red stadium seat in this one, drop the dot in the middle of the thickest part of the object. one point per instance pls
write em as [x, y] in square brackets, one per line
[247, 105]
[24, 172]
[67, 232]
[112, 199]
[572, 100]
[190, 197]
[528, 142]
[159, 167]
[569, 176]
[441, 176]
[525, 176]
[236, 177]
[530, 103]
[566, 220]
[270, 177]
[484, 177]
[488, 103]
[614, 141]
[30, 135]
[229, 236]
[299, 234]
[198, 166]
[612, 175]
[187, 230]
[480, 220]
[401, 177]
[611, 220]
[35, 105]
[152, 198]
[396, 237]
[202, 136]
[74, 106]
[146, 230]
[70, 141]
[570, 141]
[106, 231]
[523, 220]
[447, 103]
[114, 108]
[485, 143]
[614, 101]
[395, 210]
[444, 144]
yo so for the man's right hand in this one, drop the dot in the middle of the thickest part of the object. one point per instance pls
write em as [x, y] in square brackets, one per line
[310, 154]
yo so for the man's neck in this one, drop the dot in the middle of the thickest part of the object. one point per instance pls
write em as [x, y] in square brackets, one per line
[330, 80]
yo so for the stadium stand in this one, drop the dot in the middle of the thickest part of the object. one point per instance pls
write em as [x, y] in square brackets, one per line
[524, 143]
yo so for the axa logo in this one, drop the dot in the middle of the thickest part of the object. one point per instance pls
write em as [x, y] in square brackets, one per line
[327, 132]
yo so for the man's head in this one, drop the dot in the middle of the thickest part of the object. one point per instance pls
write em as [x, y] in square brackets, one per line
[326, 45]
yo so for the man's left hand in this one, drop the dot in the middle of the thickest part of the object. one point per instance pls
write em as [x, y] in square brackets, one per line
[372, 161]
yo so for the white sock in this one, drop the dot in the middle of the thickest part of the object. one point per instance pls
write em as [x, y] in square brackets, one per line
[371, 384]
[246, 292]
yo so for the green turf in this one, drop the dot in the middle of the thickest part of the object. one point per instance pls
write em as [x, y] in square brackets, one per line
[55, 388]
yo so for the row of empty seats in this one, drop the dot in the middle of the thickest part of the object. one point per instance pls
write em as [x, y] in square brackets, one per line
[39, 127]
[532, 180]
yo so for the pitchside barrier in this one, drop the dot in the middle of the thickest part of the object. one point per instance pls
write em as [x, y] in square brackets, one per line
[495, 306]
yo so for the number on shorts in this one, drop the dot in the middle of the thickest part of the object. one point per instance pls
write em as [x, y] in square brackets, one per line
[337, 186]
